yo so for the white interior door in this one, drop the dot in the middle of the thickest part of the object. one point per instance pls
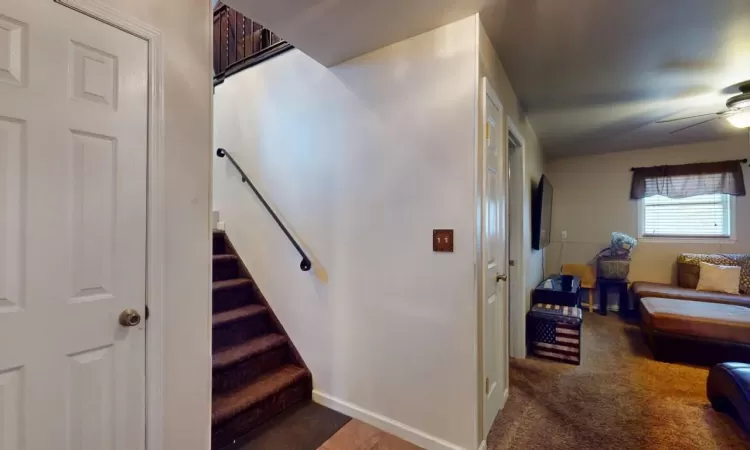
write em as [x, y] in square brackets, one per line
[73, 155]
[495, 250]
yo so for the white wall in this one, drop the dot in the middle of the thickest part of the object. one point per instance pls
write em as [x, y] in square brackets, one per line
[186, 28]
[591, 200]
[363, 160]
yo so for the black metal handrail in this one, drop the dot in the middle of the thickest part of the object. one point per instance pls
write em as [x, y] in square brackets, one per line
[305, 265]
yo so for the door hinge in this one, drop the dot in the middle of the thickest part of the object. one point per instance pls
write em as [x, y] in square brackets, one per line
[148, 313]
[486, 385]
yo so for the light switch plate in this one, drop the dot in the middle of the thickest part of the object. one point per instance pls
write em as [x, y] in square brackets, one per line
[442, 241]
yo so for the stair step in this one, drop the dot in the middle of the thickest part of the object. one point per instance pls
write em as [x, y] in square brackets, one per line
[237, 315]
[225, 267]
[230, 404]
[219, 244]
[240, 364]
[231, 284]
[237, 326]
[232, 294]
[225, 257]
[239, 353]
[256, 373]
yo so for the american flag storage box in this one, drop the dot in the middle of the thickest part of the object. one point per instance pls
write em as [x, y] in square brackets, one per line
[555, 332]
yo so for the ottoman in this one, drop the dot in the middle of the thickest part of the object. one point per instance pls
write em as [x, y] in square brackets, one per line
[554, 332]
[728, 390]
[696, 332]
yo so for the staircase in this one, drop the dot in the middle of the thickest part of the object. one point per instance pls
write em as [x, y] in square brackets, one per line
[257, 372]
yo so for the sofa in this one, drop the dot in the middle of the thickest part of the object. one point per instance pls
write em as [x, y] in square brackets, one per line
[683, 324]
[688, 273]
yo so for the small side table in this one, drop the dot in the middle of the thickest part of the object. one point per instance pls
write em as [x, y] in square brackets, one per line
[555, 294]
[622, 290]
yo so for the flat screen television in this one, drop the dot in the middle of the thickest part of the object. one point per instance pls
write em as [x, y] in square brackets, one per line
[541, 215]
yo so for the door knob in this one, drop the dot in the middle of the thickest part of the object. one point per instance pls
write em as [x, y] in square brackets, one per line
[501, 278]
[130, 318]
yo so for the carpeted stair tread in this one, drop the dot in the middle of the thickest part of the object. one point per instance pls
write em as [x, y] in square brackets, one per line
[257, 374]
[238, 353]
[226, 267]
[225, 257]
[227, 405]
[231, 284]
[234, 315]
[219, 242]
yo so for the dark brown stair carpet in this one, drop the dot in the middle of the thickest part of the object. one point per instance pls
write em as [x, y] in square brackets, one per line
[228, 405]
[245, 421]
[304, 427]
[239, 353]
[241, 329]
[219, 245]
[231, 284]
[257, 373]
[234, 315]
[232, 294]
[225, 267]
[247, 370]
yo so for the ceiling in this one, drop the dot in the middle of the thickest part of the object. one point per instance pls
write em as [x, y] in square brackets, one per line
[593, 75]
[332, 31]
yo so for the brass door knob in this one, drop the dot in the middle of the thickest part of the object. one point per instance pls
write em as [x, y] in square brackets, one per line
[130, 318]
[501, 278]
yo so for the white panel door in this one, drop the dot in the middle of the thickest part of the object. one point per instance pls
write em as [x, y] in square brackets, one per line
[73, 153]
[494, 238]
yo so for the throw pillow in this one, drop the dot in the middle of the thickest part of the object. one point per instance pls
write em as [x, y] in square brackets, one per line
[719, 278]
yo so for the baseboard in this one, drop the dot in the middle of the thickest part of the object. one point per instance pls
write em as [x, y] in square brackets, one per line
[483, 445]
[394, 427]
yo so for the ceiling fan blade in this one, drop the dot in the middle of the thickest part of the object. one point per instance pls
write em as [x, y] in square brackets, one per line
[695, 125]
[690, 117]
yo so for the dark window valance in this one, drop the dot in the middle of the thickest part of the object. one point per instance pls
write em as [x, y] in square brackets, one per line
[687, 180]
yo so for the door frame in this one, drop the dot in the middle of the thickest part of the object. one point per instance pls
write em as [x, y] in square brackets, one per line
[520, 222]
[155, 204]
[485, 90]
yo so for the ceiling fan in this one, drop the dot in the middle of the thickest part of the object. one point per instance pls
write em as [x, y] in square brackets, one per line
[737, 113]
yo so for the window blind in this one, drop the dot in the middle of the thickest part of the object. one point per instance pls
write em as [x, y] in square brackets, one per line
[697, 216]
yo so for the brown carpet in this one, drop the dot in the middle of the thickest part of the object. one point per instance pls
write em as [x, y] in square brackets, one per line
[619, 397]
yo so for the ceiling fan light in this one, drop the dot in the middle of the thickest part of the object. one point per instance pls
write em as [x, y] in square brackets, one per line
[742, 103]
[740, 120]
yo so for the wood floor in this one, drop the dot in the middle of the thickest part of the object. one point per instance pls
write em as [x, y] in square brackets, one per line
[357, 435]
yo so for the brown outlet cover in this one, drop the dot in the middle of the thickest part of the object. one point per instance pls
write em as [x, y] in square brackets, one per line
[442, 240]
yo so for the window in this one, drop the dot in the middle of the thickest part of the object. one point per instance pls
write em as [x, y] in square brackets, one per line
[699, 216]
